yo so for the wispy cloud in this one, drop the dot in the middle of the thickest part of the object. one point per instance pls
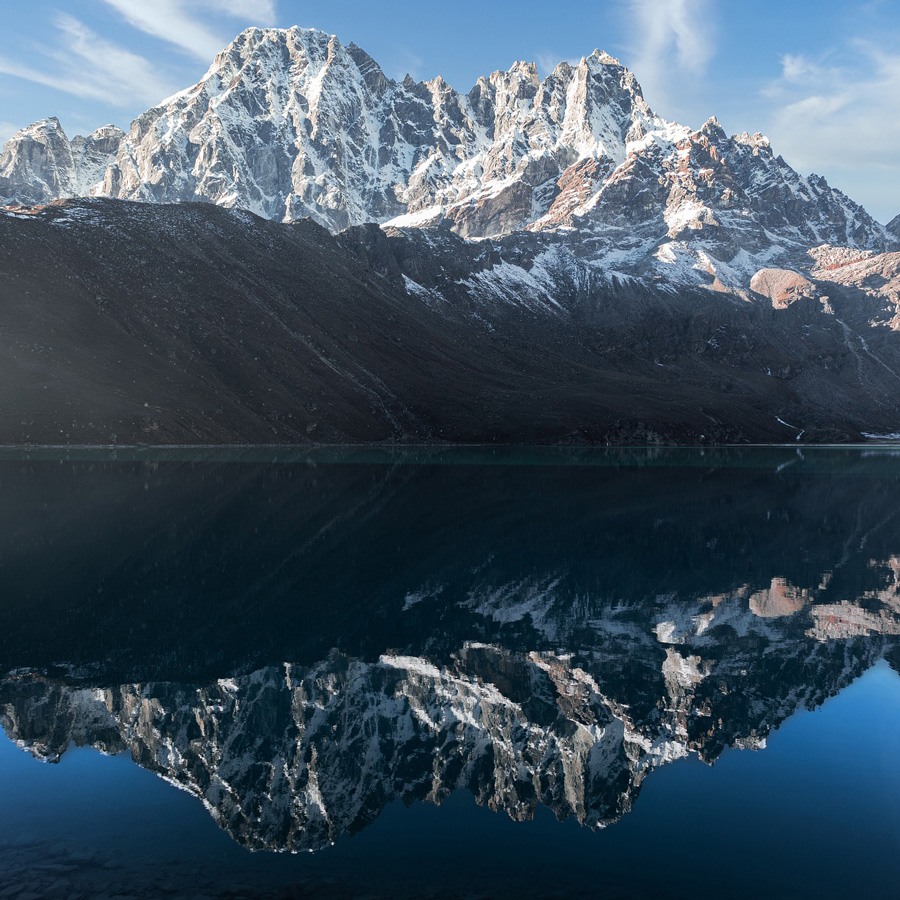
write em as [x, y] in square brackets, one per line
[183, 23]
[838, 112]
[406, 62]
[674, 42]
[85, 65]
[825, 108]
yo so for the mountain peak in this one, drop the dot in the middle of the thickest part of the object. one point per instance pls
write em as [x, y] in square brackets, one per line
[36, 164]
[757, 140]
[48, 124]
[526, 70]
[894, 227]
[106, 131]
[712, 128]
[256, 40]
[296, 33]
[604, 58]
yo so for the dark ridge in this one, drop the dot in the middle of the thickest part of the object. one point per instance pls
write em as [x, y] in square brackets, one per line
[127, 323]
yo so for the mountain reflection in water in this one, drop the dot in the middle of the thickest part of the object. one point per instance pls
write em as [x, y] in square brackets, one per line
[298, 643]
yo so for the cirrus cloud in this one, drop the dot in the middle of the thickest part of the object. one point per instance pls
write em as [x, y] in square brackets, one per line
[182, 23]
[83, 64]
[838, 113]
[674, 43]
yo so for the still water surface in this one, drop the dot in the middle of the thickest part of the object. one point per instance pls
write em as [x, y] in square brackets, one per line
[541, 673]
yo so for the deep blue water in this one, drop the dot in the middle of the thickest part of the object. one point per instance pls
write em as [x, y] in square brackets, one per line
[436, 656]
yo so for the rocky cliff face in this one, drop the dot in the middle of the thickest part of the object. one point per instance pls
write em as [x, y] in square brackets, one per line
[290, 124]
[40, 162]
[894, 227]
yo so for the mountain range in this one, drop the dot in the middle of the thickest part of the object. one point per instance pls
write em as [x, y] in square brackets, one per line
[557, 261]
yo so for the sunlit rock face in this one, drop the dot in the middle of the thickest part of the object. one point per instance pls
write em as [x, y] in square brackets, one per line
[894, 227]
[872, 277]
[782, 287]
[41, 164]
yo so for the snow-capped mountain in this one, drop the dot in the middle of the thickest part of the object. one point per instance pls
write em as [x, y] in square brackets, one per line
[290, 124]
[40, 162]
[539, 260]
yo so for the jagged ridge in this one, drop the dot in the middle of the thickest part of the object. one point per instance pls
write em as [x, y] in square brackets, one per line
[290, 123]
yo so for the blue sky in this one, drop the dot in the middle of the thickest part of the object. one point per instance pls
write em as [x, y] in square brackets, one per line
[822, 79]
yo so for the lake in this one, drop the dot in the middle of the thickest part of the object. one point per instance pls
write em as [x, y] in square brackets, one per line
[450, 673]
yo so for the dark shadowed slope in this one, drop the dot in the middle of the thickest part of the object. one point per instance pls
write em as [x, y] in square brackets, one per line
[124, 323]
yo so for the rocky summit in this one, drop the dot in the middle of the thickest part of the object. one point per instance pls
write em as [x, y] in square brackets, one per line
[535, 260]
